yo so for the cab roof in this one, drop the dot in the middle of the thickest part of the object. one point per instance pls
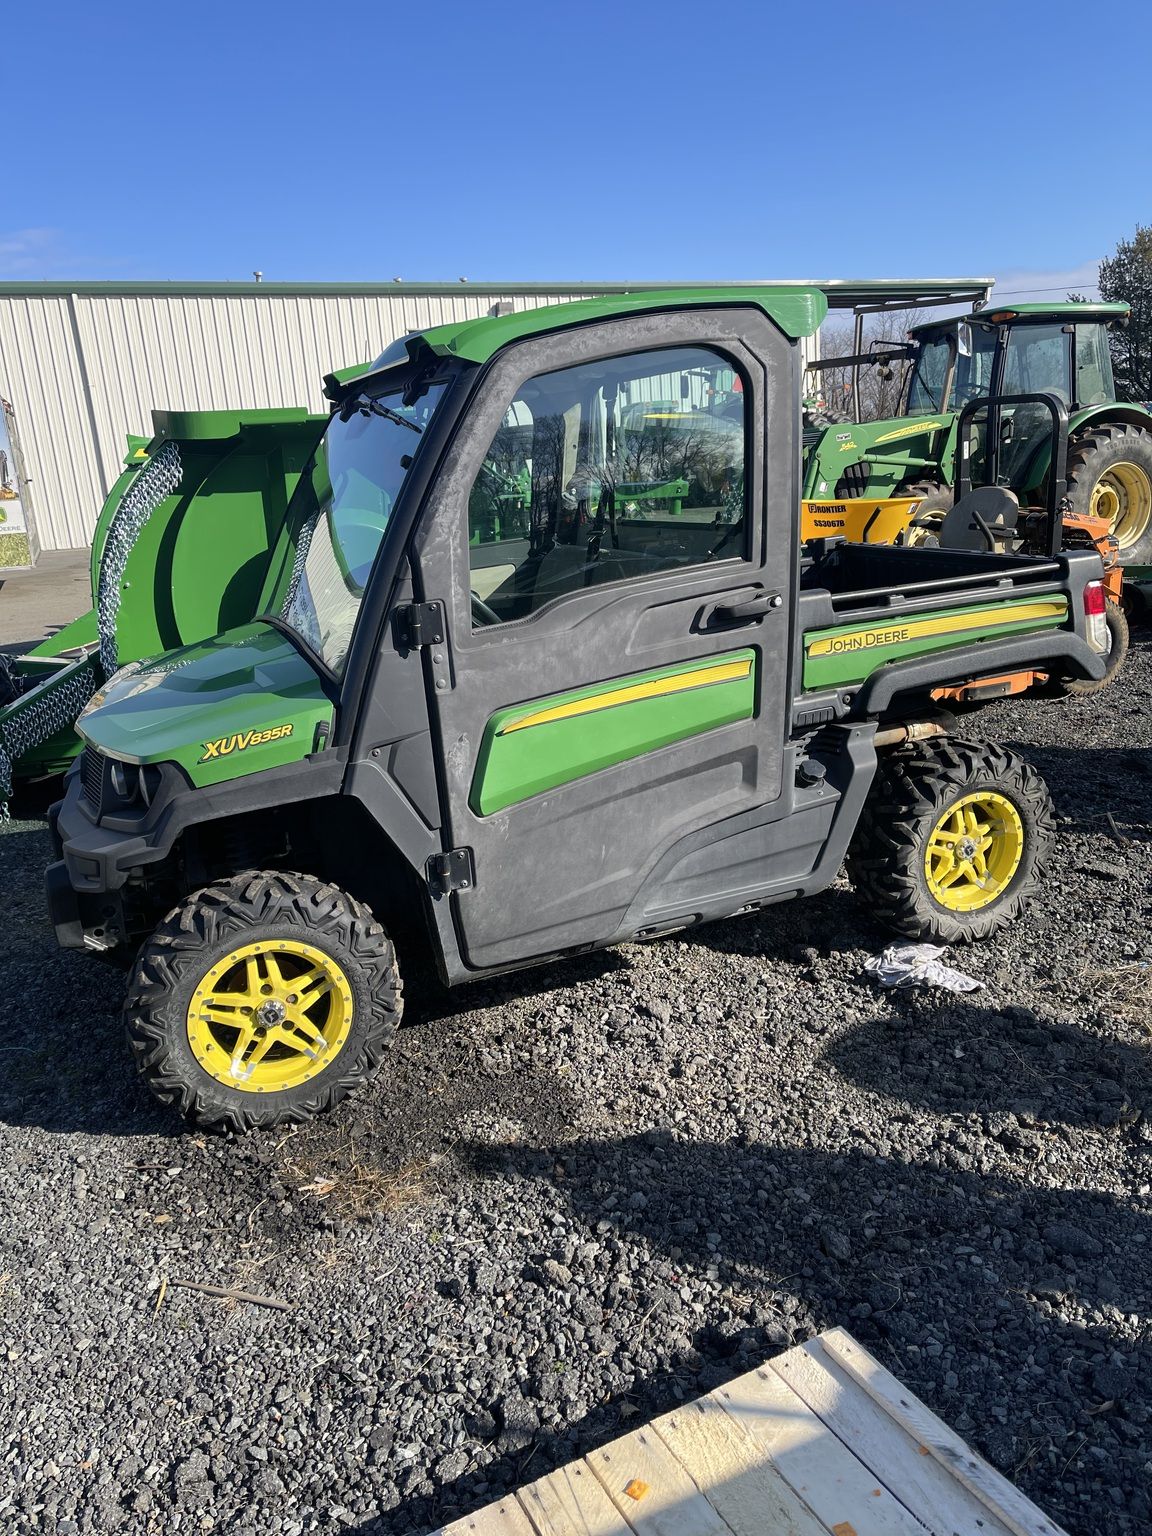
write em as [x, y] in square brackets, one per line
[1070, 310]
[798, 311]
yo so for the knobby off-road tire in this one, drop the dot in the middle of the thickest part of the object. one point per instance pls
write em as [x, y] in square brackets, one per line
[1110, 475]
[927, 792]
[823, 417]
[262, 1000]
[1118, 641]
[936, 503]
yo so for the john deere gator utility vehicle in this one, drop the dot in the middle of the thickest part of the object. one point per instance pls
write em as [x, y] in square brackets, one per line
[1027, 349]
[491, 686]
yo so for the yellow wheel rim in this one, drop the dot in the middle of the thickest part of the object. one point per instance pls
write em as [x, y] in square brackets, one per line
[1123, 495]
[973, 851]
[270, 1016]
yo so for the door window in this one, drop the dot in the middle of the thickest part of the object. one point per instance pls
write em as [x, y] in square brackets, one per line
[614, 469]
[1036, 361]
[1093, 366]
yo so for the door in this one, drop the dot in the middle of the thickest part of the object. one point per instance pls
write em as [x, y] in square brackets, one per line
[614, 496]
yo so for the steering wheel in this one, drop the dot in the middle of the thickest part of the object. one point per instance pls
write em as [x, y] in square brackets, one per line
[481, 611]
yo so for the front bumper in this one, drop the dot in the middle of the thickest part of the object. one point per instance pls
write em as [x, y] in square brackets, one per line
[98, 855]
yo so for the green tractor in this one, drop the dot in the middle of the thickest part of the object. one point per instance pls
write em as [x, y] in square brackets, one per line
[1027, 349]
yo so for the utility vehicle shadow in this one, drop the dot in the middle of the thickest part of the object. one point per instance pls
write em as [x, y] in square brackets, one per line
[949, 1277]
[540, 1451]
[963, 1058]
[1092, 782]
[795, 932]
[427, 1000]
[63, 1063]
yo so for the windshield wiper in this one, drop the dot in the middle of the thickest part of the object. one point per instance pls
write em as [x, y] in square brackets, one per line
[368, 407]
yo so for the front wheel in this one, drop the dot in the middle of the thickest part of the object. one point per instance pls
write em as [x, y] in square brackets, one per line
[952, 839]
[262, 1001]
[928, 519]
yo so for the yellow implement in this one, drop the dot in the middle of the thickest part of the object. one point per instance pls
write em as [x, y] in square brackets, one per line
[860, 520]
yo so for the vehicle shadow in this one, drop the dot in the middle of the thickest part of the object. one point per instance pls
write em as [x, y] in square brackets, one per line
[992, 1300]
[1091, 784]
[1009, 1065]
[64, 1063]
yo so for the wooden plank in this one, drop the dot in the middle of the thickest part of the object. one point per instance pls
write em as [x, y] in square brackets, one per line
[748, 1493]
[671, 1504]
[893, 1457]
[504, 1518]
[825, 1473]
[994, 1491]
[571, 1502]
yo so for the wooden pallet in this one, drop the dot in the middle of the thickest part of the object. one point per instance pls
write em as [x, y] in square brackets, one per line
[822, 1441]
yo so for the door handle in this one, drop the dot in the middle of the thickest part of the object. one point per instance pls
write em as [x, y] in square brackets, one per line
[744, 610]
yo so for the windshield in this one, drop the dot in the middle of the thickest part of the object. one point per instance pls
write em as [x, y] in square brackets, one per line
[349, 494]
[929, 376]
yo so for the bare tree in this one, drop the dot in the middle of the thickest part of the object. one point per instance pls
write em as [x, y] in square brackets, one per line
[880, 385]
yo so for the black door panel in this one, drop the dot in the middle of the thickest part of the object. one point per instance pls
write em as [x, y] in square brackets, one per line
[601, 601]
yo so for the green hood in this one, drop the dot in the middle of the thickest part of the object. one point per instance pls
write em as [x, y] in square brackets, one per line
[243, 701]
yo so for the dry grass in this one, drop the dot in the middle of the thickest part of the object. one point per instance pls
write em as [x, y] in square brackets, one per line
[1126, 991]
[355, 1187]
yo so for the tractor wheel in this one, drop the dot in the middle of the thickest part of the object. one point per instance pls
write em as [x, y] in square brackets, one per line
[825, 416]
[936, 502]
[1115, 656]
[1110, 476]
[262, 1001]
[952, 839]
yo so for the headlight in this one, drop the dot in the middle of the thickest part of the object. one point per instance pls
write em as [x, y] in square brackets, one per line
[135, 782]
[111, 786]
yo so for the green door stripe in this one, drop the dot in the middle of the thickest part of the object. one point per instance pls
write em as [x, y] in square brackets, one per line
[530, 748]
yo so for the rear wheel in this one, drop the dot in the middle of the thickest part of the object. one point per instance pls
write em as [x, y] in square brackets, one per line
[1110, 476]
[262, 1001]
[936, 501]
[1118, 640]
[952, 839]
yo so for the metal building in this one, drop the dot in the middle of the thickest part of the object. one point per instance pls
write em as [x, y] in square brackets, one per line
[85, 363]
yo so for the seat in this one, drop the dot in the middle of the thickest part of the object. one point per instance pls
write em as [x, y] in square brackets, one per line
[985, 520]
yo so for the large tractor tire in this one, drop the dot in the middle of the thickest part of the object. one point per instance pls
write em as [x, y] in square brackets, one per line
[262, 1001]
[952, 839]
[1110, 476]
[936, 503]
[823, 417]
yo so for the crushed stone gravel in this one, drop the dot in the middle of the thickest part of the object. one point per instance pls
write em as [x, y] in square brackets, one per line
[581, 1195]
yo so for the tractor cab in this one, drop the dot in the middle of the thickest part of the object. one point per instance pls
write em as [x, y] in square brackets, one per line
[1006, 357]
[1059, 349]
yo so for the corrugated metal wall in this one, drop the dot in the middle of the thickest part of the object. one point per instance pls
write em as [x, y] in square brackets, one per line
[83, 368]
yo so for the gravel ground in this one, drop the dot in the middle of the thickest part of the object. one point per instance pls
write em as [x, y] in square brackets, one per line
[584, 1194]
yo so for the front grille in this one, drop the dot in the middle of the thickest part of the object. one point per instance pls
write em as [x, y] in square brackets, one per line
[92, 776]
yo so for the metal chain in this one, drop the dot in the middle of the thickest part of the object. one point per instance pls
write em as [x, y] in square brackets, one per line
[302, 548]
[157, 480]
[53, 705]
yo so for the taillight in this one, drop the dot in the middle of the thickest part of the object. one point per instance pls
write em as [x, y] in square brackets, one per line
[1094, 598]
[1095, 609]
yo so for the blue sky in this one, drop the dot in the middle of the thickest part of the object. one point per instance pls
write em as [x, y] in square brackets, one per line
[592, 142]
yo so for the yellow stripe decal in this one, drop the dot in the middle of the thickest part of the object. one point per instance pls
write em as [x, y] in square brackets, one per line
[946, 624]
[913, 431]
[701, 677]
[915, 629]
